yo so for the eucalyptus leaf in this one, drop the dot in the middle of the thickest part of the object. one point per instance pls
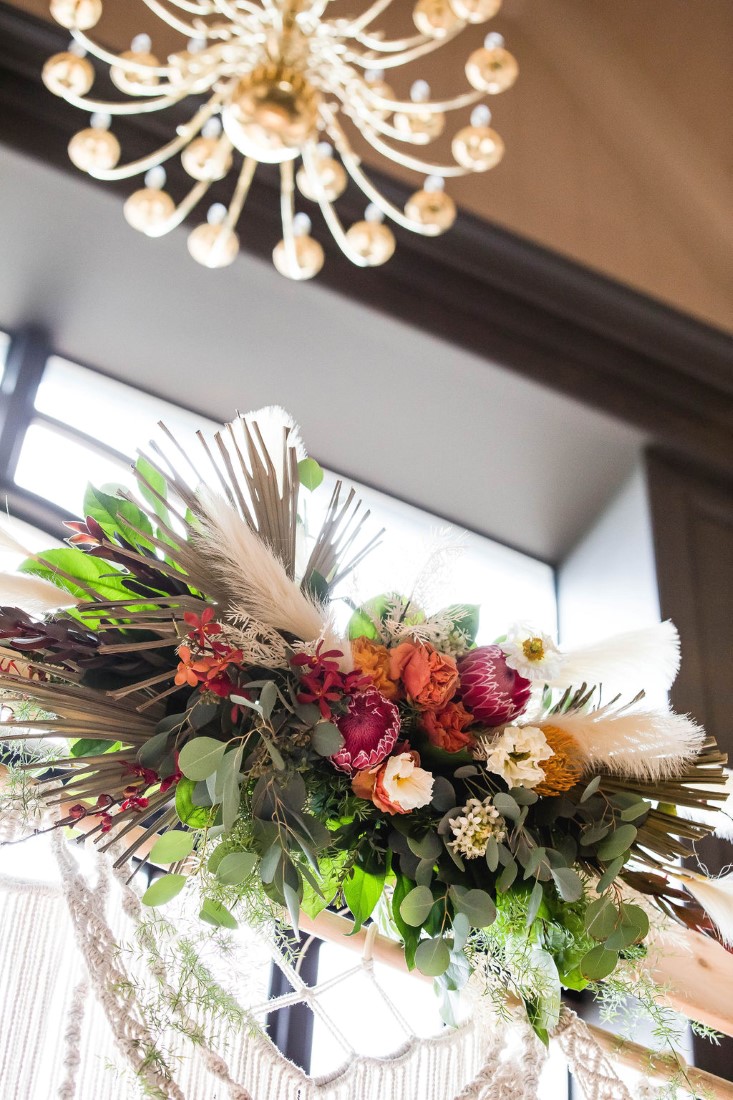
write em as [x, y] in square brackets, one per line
[598, 963]
[492, 854]
[461, 930]
[163, 890]
[213, 912]
[270, 863]
[507, 877]
[173, 845]
[424, 872]
[153, 751]
[609, 874]
[416, 906]
[466, 771]
[477, 905]
[432, 957]
[444, 795]
[202, 714]
[506, 805]
[591, 789]
[569, 883]
[201, 757]
[268, 698]
[310, 473]
[535, 901]
[429, 846]
[617, 842]
[326, 739]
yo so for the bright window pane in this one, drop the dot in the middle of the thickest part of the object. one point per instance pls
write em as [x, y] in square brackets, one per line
[4, 345]
[118, 415]
[443, 565]
[59, 469]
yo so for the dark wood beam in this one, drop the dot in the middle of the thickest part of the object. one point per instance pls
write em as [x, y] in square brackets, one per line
[479, 287]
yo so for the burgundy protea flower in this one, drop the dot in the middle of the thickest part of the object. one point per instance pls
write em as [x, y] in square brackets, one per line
[489, 689]
[369, 728]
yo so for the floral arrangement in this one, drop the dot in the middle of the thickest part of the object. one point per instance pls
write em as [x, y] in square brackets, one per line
[497, 807]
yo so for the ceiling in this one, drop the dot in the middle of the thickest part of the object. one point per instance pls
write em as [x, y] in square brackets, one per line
[619, 150]
[377, 399]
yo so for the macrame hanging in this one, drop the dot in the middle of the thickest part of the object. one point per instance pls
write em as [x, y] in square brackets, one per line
[69, 955]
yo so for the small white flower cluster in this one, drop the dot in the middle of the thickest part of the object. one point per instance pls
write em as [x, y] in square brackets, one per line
[478, 823]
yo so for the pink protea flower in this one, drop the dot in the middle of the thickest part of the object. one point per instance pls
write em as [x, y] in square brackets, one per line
[489, 689]
[369, 728]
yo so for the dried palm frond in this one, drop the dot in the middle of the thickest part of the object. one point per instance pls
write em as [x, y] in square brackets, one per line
[337, 535]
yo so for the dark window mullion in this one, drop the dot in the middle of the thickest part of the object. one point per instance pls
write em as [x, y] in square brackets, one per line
[24, 366]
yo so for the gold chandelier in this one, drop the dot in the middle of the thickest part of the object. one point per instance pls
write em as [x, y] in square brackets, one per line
[274, 81]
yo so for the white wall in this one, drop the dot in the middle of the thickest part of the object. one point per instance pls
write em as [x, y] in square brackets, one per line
[607, 584]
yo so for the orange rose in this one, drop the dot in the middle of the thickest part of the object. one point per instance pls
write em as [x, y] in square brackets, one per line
[397, 786]
[430, 678]
[373, 661]
[445, 727]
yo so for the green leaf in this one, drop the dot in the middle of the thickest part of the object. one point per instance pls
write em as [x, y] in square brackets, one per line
[155, 481]
[461, 931]
[617, 842]
[268, 698]
[213, 912]
[598, 963]
[116, 516]
[153, 751]
[429, 846]
[535, 901]
[292, 900]
[492, 854]
[202, 714]
[432, 957]
[507, 877]
[444, 795]
[196, 817]
[87, 746]
[416, 906]
[201, 757]
[591, 789]
[361, 626]
[163, 890]
[634, 812]
[326, 739]
[362, 891]
[270, 862]
[569, 883]
[102, 577]
[601, 918]
[610, 874]
[633, 928]
[227, 778]
[477, 905]
[506, 805]
[310, 474]
[172, 846]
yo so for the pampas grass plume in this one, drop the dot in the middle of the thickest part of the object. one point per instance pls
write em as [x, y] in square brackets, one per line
[648, 658]
[33, 594]
[716, 897]
[641, 744]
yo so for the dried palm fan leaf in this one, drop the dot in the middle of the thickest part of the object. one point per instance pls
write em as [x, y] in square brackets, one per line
[336, 537]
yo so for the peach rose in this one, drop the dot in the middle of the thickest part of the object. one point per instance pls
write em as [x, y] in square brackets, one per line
[430, 678]
[397, 786]
[373, 661]
[445, 727]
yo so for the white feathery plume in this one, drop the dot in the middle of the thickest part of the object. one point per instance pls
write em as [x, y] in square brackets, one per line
[720, 815]
[716, 897]
[648, 658]
[9, 542]
[33, 594]
[643, 744]
[257, 584]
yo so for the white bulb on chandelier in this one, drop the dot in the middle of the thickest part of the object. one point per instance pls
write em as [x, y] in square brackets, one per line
[302, 225]
[76, 48]
[100, 121]
[324, 149]
[494, 41]
[216, 213]
[481, 115]
[420, 91]
[141, 43]
[155, 178]
[374, 76]
[196, 45]
[433, 184]
[212, 127]
[373, 214]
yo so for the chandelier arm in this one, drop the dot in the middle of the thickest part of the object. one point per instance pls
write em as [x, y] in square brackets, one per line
[365, 185]
[413, 163]
[465, 99]
[193, 8]
[366, 18]
[241, 191]
[287, 211]
[165, 152]
[385, 128]
[172, 20]
[353, 57]
[113, 59]
[137, 108]
[330, 216]
[182, 211]
[239, 11]
[392, 45]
